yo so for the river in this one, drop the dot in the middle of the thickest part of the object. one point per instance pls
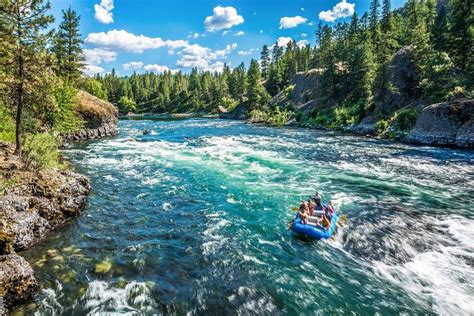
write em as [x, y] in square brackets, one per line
[193, 219]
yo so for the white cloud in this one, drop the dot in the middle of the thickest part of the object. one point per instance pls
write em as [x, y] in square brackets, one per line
[159, 68]
[204, 58]
[133, 65]
[283, 41]
[261, 31]
[291, 22]
[244, 52]
[97, 55]
[218, 66]
[222, 18]
[91, 70]
[341, 10]
[103, 11]
[123, 40]
[225, 33]
[302, 43]
[240, 33]
[304, 35]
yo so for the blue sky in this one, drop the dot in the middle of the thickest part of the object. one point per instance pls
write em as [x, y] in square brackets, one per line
[157, 35]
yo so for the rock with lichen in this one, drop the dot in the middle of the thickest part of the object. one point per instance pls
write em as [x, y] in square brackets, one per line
[17, 281]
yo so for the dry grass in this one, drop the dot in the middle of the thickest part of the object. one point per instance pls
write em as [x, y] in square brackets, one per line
[90, 106]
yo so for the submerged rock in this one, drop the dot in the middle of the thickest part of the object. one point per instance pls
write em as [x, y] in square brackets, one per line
[447, 123]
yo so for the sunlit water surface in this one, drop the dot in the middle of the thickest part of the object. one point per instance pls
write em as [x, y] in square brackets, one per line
[193, 219]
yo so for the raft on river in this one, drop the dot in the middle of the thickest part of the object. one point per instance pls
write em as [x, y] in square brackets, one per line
[316, 232]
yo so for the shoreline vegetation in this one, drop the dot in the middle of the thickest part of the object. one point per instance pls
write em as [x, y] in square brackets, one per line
[385, 73]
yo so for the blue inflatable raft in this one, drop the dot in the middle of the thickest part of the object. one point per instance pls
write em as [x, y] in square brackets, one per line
[313, 231]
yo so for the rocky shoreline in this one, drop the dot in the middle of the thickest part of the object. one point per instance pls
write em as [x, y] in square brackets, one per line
[36, 203]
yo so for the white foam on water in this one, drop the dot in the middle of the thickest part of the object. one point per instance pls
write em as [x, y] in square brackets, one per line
[167, 206]
[441, 277]
[101, 298]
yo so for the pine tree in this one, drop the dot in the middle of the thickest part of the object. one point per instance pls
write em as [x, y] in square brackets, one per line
[374, 25]
[257, 95]
[30, 85]
[461, 33]
[265, 61]
[439, 32]
[67, 47]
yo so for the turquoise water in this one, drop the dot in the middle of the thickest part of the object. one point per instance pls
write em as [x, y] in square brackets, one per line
[193, 219]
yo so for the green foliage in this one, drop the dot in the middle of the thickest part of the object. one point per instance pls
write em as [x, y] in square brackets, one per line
[92, 86]
[229, 103]
[276, 117]
[69, 57]
[41, 151]
[7, 127]
[288, 90]
[381, 126]
[126, 105]
[65, 119]
[405, 119]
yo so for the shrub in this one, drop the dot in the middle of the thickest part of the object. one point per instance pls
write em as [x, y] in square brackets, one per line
[381, 126]
[7, 126]
[405, 119]
[287, 91]
[299, 117]
[229, 103]
[40, 151]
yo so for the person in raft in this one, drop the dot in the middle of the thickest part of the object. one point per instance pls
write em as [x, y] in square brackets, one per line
[305, 213]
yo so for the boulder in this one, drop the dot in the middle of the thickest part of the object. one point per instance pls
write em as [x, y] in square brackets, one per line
[447, 123]
[17, 281]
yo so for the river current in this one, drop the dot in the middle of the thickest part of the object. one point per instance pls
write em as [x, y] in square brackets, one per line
[192, 219]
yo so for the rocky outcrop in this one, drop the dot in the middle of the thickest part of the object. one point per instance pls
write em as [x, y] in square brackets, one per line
[305, 94]
[447, 123]
[100, 118]
[36, 203]
[17, 281]
[405, 83]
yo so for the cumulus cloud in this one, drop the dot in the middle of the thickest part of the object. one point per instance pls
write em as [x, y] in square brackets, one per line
[240, 33]
[222, 18]
[341, 10]
[204, 58]
[159, 68]
[97, 55]
[304, 35]
[103, 11]
[291, 22]
[133, 65]
[91, 70]
[123, 40]
[302, 43]
[283, 41]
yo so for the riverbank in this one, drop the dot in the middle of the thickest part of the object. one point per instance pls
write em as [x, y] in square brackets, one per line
[33, 204]
[36, 201]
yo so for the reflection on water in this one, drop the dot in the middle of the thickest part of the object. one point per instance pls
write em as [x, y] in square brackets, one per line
[192, 219]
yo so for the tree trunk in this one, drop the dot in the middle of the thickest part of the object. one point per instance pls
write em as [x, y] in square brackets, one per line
[19, 102]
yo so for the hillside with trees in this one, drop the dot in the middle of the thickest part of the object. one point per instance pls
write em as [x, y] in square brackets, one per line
[356, 63]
